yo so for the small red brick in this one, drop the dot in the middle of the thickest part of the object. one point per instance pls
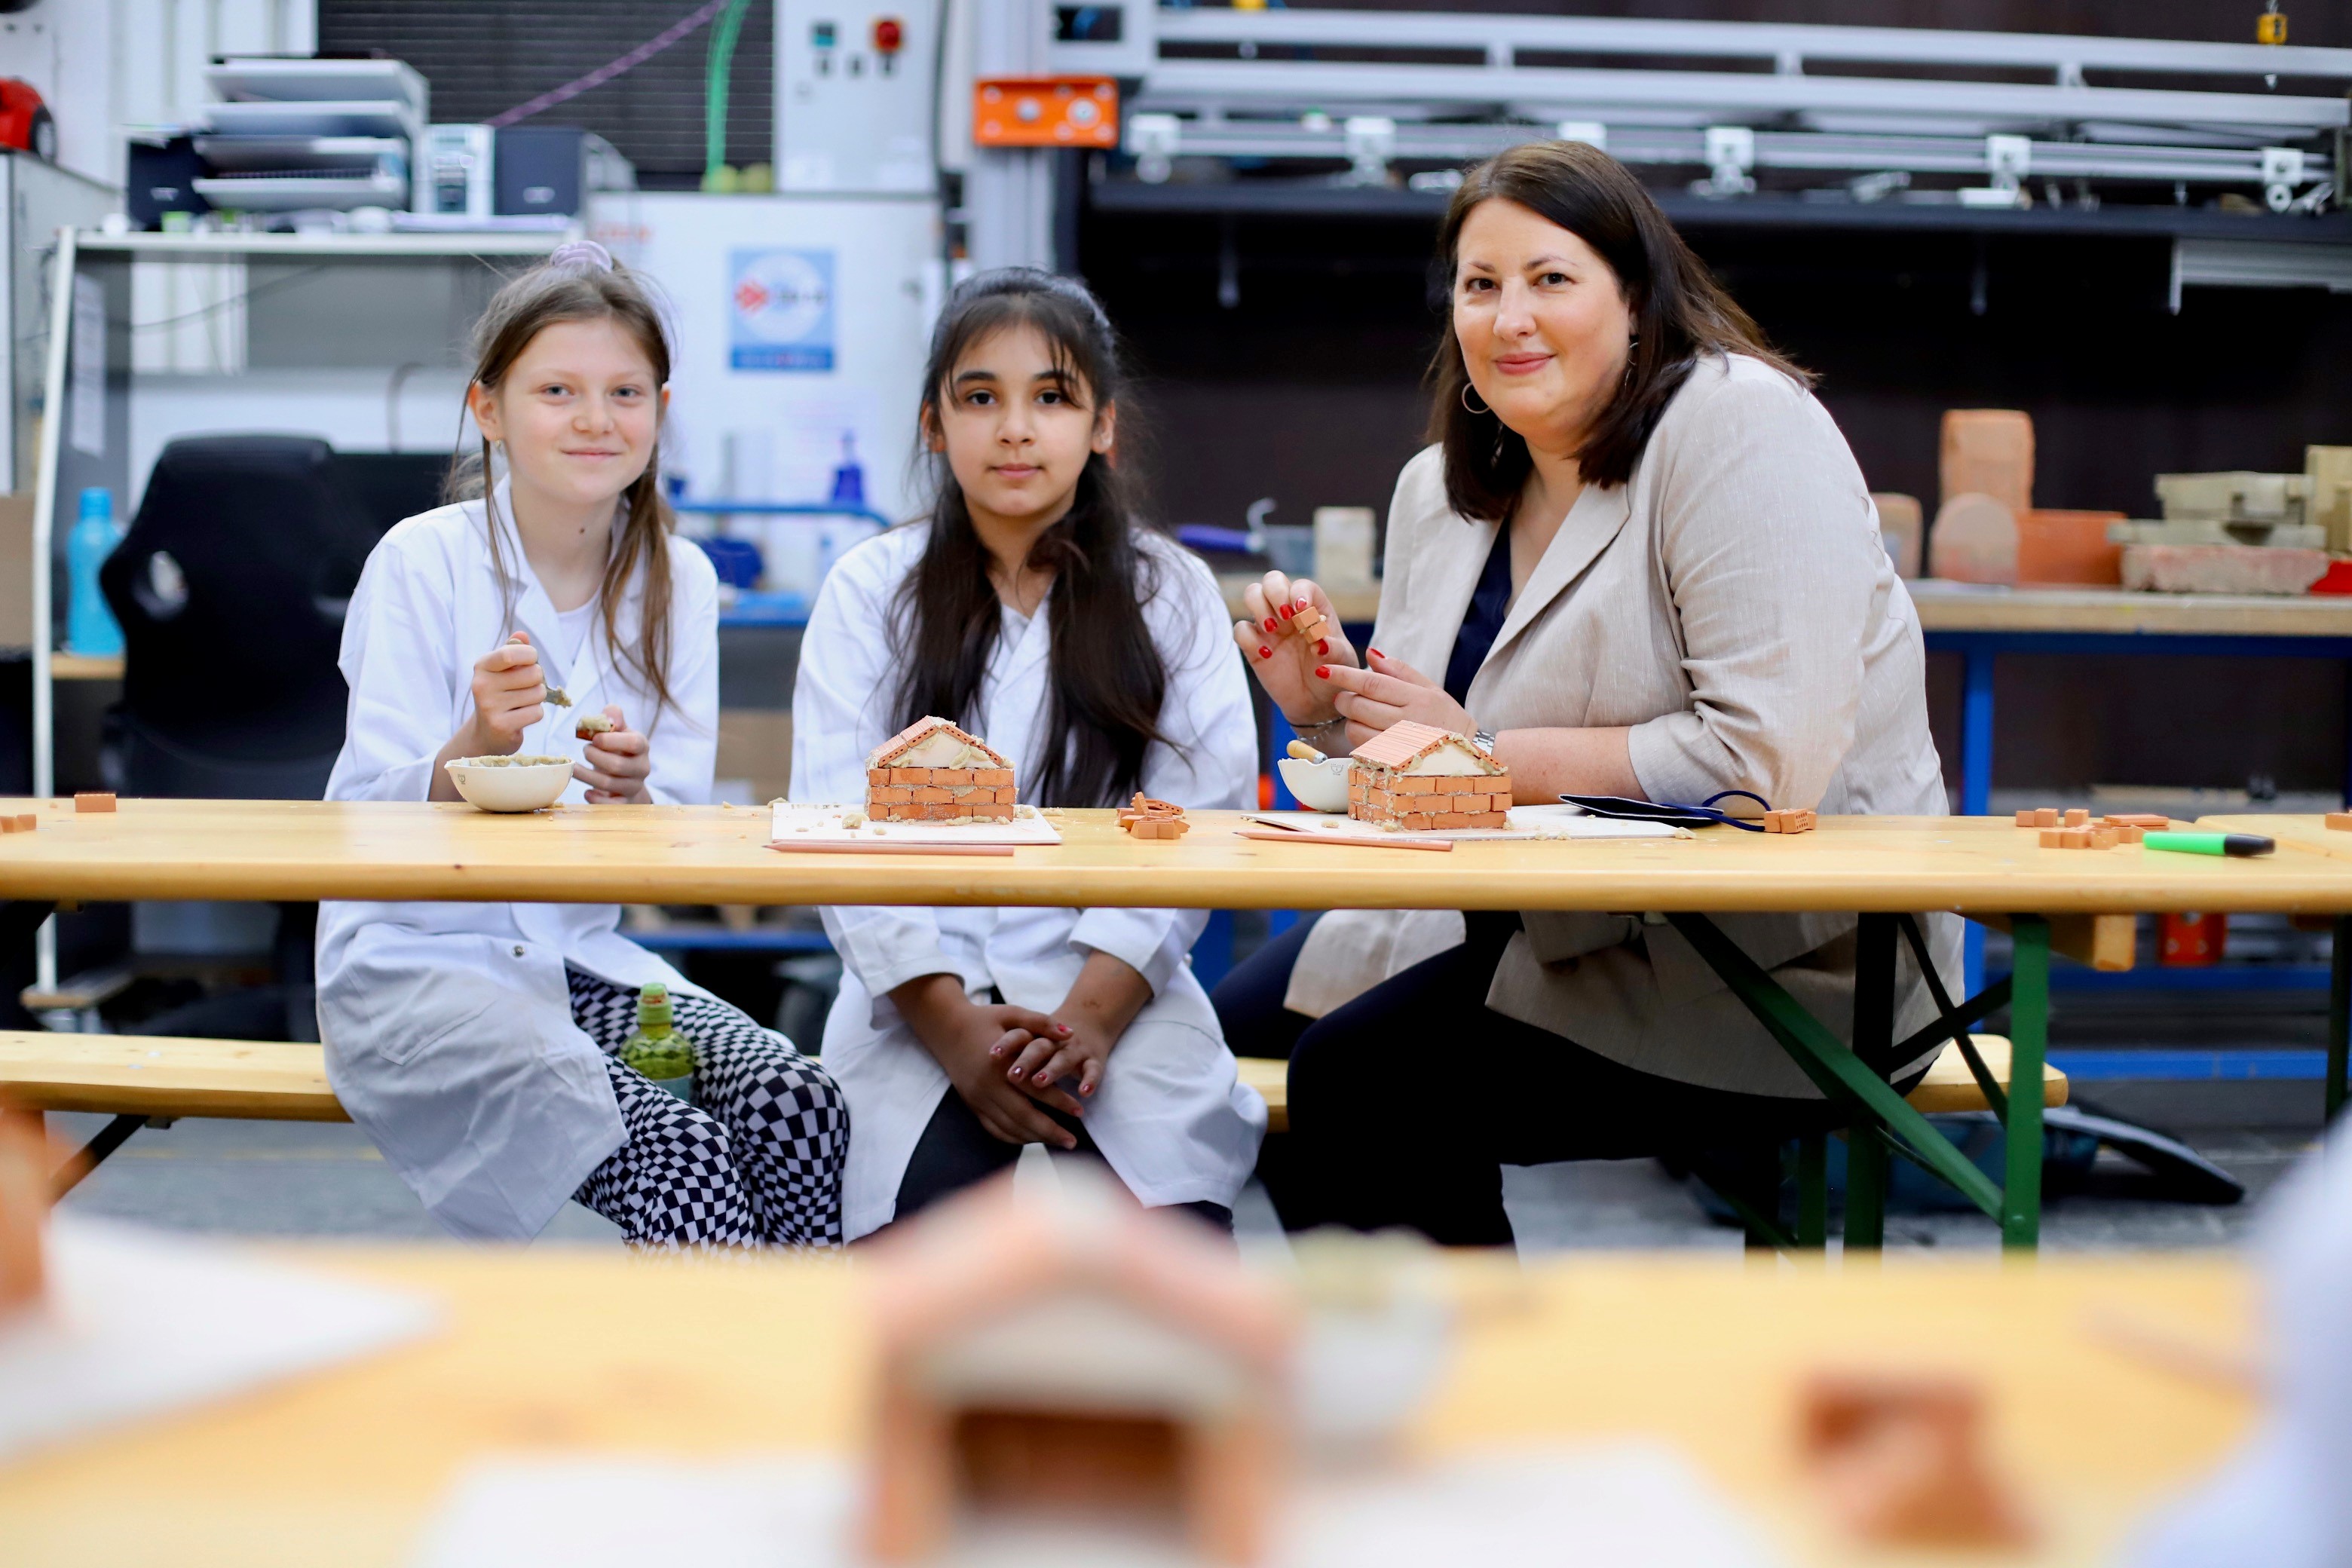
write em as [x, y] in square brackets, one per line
[2046, 816]
[910, 775]
[993, 777]
[2077, 817]
[94, 800]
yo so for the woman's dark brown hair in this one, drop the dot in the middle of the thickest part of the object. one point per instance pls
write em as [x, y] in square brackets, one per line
[1107, 678]
[1679, 314]
[567, 290]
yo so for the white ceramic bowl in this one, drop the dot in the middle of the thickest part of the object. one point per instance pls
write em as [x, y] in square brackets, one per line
[510, 783]
[1318, 786]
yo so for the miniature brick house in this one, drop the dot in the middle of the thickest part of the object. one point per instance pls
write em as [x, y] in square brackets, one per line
[1075, 1357]
[24, 1209]
[932, 772]
[1419, 777]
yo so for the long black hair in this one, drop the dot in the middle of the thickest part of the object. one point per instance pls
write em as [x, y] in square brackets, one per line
[1680, 312]
[1107, 678]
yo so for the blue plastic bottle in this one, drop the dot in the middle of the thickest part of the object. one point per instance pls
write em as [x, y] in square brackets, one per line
[90, 627]
[849, 479]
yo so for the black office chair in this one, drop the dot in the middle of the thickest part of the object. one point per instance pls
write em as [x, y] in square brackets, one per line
[231, 588]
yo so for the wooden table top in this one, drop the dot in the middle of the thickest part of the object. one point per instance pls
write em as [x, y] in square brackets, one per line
[608, 853]
[1969, 607]
[2099, 1377]
[2304, 833]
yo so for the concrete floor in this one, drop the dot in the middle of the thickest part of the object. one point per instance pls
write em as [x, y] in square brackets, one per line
[288, 1179]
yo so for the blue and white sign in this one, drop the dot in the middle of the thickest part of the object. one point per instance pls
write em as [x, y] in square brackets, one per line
[781, 310]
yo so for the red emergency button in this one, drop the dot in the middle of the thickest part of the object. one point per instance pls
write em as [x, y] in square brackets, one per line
[889, 34]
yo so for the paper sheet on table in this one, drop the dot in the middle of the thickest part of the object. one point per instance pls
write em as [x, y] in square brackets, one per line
[1624, 1506]
[139, 1323]
[826, 825]
[1561, 821]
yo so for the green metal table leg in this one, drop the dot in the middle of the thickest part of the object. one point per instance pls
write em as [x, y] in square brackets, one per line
[2340, 1011]
[2029, 1026]
[1865, 1186]
[1814, 1191]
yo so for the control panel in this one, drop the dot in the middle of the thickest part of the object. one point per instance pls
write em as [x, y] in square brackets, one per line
[855, 96]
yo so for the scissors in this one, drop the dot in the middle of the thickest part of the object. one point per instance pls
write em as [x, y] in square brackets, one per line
[1703, 814]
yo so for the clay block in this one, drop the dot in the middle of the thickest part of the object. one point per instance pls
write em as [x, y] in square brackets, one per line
[2158, 821]
[1004, 793]
[2076, 816]
[931, 795]
[2046, 817]
[1987, 451]
[877, 775]
[2341, 821]
[1418, 821]
[2221, 569]
[1489, 819]
[1453, 785]
[910, 775]
[1407, 784]
[1453, 820]
[890, 797]
[2025, 816]
[10, 825]
[2068, 547]
[2054, 838]
[1974, 540]
[2105, 838]
[1901, 527]
[952, 776]
[995, 778]
[93, 801]
[2077, 837]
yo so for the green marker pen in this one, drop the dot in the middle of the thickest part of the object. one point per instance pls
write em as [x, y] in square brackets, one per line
[2210, 843]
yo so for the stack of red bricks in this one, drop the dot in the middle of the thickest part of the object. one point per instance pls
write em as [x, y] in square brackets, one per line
[1381, 790]
[1794, 819]
[1145, 818]
[896, 792]
[2074, 829]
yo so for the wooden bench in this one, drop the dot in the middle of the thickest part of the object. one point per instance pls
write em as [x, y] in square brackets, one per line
[1949, 1085]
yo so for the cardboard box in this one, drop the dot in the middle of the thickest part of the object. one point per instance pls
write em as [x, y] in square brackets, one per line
[15, 571]
[2329, 469]
[756, 744]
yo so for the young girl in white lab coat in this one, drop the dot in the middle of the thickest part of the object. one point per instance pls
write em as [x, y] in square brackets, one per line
[476, 1042]
[1033, 609]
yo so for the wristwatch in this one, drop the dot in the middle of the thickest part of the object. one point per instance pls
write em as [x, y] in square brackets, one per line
[1485, 740]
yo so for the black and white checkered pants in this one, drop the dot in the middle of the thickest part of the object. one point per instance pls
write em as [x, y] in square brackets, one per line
[757, 1159]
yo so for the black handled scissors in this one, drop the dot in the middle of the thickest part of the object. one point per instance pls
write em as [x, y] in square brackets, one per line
[1703, 814]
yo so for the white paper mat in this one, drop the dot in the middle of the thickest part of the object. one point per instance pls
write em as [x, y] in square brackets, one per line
[1622, 1506]
[824, 825]
[139, 1323]
[1561, 821]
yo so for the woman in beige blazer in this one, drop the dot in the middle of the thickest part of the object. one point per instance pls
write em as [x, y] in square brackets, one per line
[1637, 559]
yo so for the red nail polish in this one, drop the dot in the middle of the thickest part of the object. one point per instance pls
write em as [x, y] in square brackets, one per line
[1322, 672]
[1378, 654]
[1288, 612]
[1269, 623]
[1063, 1028]
[1264, 652]
[1323, 645]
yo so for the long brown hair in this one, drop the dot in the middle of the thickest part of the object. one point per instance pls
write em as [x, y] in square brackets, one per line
[1108, 679]
[580, 282]
[1680, 312]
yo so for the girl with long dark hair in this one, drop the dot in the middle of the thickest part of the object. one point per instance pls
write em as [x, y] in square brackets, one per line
[1035, 609]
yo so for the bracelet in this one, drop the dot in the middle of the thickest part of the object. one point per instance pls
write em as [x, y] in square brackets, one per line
[1311, 732]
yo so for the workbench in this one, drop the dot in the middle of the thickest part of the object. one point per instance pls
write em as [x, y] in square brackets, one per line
[1884, 869]
[2107, 1382]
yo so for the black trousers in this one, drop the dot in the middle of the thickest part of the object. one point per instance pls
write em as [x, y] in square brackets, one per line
[1406, 1103]
[955, 1150]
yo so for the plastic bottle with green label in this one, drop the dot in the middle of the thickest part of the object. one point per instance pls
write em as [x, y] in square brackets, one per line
[659, 1048]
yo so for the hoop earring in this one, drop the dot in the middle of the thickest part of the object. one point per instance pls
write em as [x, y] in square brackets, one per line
[1467, 390]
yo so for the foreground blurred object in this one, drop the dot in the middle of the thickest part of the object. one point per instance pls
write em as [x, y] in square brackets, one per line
[1070, 1353]
[2283, 1503]
[1900, 1461]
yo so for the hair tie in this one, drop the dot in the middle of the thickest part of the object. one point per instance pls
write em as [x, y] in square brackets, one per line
[583, 254]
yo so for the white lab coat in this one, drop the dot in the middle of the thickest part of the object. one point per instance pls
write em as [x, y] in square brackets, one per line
[1171, 1116]
[448, 1026]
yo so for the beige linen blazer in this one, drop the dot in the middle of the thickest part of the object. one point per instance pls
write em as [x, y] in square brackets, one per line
[1732, 605]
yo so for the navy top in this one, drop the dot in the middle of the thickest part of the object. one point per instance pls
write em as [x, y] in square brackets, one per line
[1483, 622]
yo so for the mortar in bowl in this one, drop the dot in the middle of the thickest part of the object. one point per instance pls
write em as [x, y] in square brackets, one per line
[1318, 786]
[510, 783]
